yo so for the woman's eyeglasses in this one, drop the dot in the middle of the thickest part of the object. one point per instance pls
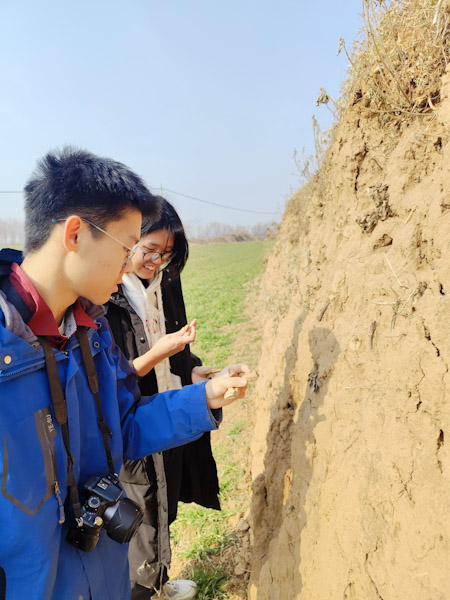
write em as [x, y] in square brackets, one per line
[152, 255]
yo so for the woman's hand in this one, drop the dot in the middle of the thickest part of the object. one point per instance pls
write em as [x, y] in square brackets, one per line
[199, 374]
[168, 345]
[217, 387]
[172, 343]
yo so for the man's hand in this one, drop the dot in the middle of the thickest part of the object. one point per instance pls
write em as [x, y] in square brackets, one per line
[172, 343]
[217, 387]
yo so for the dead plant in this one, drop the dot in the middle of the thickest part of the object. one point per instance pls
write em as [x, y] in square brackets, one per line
[396, 68]
[309, 166]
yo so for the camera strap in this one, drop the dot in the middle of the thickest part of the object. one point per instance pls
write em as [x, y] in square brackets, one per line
[60, 408]
[93, 384]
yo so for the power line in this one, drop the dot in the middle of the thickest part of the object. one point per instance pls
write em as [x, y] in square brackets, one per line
[256, 212]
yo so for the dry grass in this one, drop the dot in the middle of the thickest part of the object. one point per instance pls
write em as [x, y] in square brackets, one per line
[309, 166]
[396, 69]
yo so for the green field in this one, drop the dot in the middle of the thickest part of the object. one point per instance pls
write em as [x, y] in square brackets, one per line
[216, 281]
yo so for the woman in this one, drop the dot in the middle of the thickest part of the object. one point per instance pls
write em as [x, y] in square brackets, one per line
[148, 321]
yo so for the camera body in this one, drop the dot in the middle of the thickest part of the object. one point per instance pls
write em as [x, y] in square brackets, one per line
[105, 507]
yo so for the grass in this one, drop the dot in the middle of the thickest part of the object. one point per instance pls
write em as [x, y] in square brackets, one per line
[216, 283]
[200, 536]
[210, 582]
[236, 430]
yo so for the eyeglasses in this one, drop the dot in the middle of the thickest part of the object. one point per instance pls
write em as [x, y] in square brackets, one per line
[152, 255]
[130, 251]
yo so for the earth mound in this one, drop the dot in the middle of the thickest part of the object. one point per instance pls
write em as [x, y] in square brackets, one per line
[351, 462]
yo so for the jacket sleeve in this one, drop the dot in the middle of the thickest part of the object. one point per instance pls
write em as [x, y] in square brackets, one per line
[195, 360]
[183, 362]
[154, 423]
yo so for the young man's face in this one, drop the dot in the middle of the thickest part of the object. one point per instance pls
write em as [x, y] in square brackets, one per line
[97, 266]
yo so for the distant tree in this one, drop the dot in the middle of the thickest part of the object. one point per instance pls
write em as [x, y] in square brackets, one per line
[217, 230]
[259, 230]
[11, 231]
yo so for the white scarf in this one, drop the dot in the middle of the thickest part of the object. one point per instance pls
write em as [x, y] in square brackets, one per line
[147, 302]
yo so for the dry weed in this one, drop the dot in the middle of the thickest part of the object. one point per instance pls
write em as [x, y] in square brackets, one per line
[396, 69]
[309, 166]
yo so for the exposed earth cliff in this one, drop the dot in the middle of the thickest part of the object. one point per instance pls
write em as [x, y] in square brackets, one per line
[351, 462]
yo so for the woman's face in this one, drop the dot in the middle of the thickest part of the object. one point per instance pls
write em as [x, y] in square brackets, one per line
[160, 242]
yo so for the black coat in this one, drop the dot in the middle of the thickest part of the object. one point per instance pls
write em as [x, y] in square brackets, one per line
[190, 470]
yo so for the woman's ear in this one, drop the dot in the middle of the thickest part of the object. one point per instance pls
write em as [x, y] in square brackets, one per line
[72, 228]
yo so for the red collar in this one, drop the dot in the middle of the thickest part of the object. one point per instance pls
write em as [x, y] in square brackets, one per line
[43, 322]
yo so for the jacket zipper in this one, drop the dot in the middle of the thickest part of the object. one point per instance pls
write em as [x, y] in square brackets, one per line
[32, 367]
[62, 515]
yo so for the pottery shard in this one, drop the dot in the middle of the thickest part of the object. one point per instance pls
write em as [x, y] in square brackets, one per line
[233, 392]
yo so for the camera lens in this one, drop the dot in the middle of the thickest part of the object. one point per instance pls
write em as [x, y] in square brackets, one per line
[122, 520]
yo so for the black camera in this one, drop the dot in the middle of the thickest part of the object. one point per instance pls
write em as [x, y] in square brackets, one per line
[105, 507]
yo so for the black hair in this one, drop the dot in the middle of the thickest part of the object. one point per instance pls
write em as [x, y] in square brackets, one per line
[73, 181]
[169, 220]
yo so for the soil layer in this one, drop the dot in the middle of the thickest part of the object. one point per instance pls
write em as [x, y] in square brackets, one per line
[350, 457]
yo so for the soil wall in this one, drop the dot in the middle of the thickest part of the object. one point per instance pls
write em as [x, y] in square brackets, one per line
[351, 463]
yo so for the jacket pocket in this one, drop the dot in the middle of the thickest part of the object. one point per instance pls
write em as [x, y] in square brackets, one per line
[29, 475]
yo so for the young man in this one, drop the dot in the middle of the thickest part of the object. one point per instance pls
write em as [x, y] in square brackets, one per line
[70, 409]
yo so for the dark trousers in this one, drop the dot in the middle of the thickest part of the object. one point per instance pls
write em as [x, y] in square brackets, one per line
[139, 592]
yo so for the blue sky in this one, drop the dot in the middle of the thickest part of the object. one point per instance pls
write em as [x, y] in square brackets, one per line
[201, 97]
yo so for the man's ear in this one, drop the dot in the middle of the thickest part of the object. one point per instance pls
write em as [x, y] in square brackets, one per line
[72, 227]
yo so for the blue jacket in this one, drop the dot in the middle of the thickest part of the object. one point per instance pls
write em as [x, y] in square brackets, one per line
[36, 562]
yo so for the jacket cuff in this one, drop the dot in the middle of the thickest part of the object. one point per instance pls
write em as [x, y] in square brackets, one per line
[203, 418]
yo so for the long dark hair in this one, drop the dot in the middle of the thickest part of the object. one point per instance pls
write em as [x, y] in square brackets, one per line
[169, 220]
